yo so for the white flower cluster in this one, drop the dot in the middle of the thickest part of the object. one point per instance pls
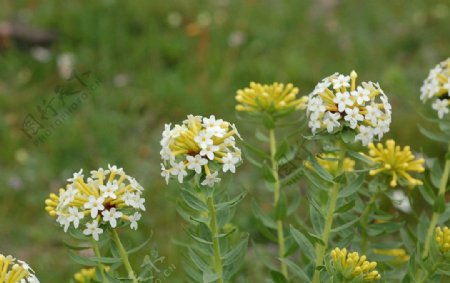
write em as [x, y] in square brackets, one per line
[201, 145]
[336, 103]
[15, 271]
[437, 86]
[107, 198]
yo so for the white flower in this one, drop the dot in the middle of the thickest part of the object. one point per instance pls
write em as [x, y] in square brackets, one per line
[114, 169]
[209, 151]
[109, 190]
[74, 216]
[341, 81]
[331, 121]
[165, 173]
[401, 201]
[211, 179]
[112, 215]
[94, 204]
[196, 163]
[373, 113]
[315, 104]
[92, 229]
[214, 127]
[76, 176]
[365, 135]
[447, 86]
[321, 87]
[361, 95]
[99, 174]
[314, 125]
[134, 219]
[343, 100]
[236, 132]
[353, 117]
[203, 139]
[138, 202]
[178, 169]
[229, 162]
[441, 106]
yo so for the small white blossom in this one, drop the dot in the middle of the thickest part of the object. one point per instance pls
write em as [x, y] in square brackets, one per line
[134, 219]
[178, 169]
[343, 100]
[341, 81]
[437, 87]
[441, 106]
[74, 216]
[331, 121]
[94, 204]
[93, 229]
[76, 176]
[203, 139]
[111, 216]
[109, 190]
[165, 173]
[211, 180]
[209, 152]
[361, 95]
[229, 162]
[353, 117]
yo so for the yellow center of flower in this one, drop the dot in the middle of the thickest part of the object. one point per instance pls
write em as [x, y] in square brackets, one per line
[11, 272]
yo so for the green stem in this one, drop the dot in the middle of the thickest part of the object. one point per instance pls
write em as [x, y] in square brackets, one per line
[99, 264]
[124, 256]
[320, 249]
[429, 273]
[435, 216]
[276, 198]
[218, 268]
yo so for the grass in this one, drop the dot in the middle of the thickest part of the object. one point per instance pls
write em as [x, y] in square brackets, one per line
[175, 71]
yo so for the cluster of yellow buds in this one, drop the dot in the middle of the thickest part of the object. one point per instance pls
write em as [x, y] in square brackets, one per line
[86, 275]
[330, 162]
[395, 161]
[269, 98]
[443, 239]
[15, 271]
[352, 266]
[399, 256]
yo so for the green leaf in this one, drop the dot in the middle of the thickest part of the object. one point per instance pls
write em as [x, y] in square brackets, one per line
[348, 136]
[297, 270]
[197, 260]
[281, 207]
[268, 121]
[353, 186]
[359, 156]
[92, 261]
[324, 174]
[141, 246]
[266, 220]
[282, 151]
[436, 173]
[268, 174]
[346, 207]
[76, 248]
[293, 177]
[426, 190]
[277, 277]
[439, 205]
[433, 136]
[303, 242]
[237, 253]
[192, 201]
[210, 277]
[315, 239]
[231, 203]
[345, 226]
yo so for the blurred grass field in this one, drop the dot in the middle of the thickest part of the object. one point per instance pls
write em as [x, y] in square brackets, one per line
[158, 61]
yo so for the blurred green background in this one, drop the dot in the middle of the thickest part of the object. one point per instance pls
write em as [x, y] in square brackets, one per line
[158, 61]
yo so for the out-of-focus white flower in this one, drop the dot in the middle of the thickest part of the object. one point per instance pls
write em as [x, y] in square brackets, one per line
[41, 54]
[236, 39]
[437, 87]
[65, 64]
[201, 145]
[174, 19]
[401, 201]
[337, 102]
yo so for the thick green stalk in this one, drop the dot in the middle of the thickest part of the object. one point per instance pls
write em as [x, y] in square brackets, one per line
[218, 268]
[276, 198]
[124, 256]
[435, 216]
[100, 266]
[333, 196]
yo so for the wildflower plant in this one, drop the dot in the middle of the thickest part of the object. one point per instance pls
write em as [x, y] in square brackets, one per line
[13, 270]
[197, 153]
[347, 266]
[92, 209]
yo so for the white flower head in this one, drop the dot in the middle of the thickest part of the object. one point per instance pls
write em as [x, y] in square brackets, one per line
[436, 87]
[106, 198]
[202, 145]
[338, 103]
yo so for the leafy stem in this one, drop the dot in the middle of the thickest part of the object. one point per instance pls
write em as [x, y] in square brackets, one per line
[124, 256]
[333, 196]
[99, 264]
[365, 222]
[218, 268]
[276, 198]
[435, 216]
